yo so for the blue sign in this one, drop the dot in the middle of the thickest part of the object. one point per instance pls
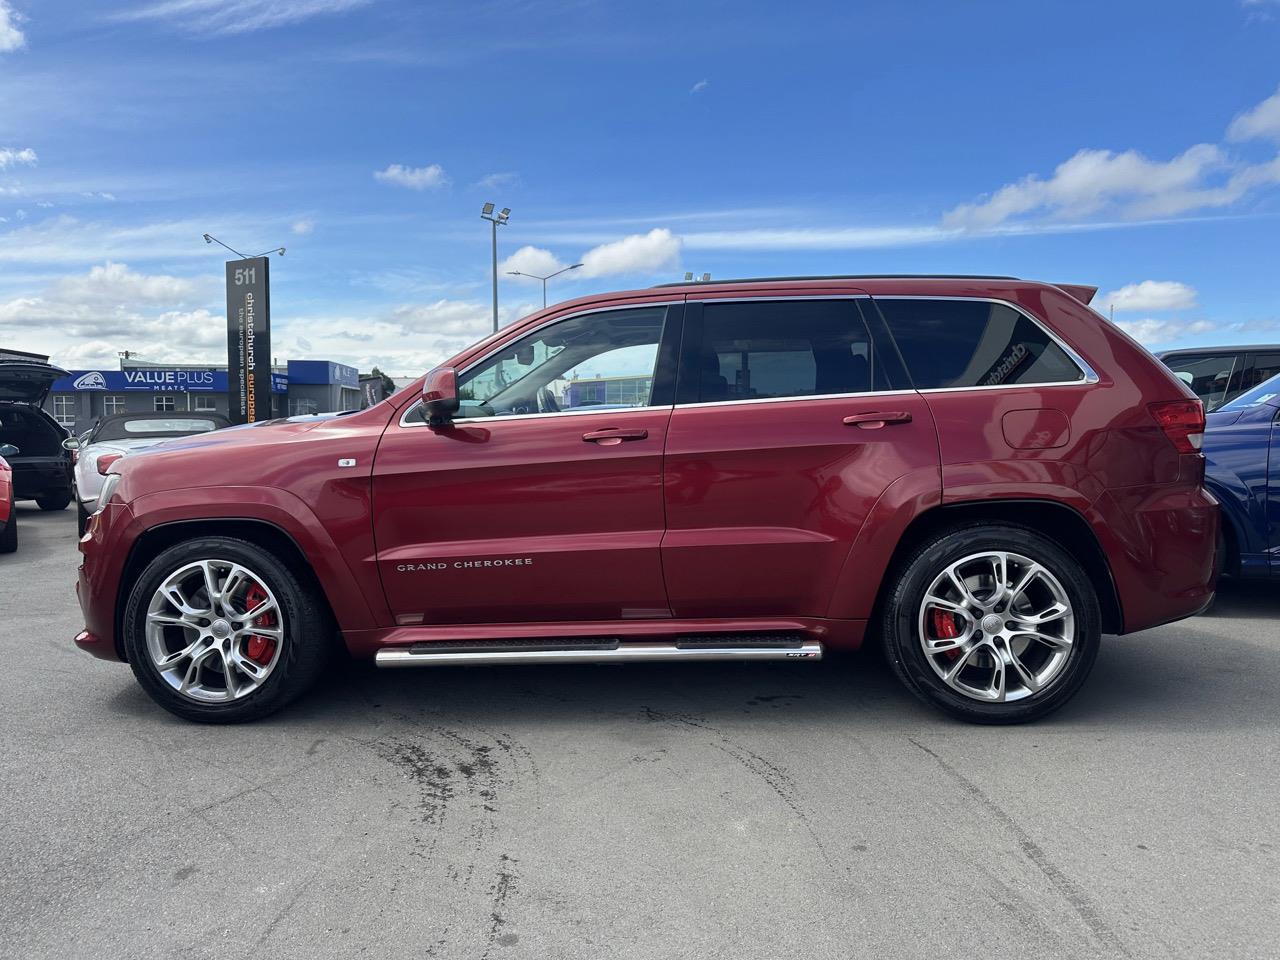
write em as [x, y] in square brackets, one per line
[324, 372]
[153, 381]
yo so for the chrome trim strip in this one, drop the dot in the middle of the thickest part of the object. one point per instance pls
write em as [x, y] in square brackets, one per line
[816, 396]
[527, 416]
[406, 657]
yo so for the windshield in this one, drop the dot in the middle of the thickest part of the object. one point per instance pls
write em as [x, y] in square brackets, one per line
[158, 427]
[1265, 392]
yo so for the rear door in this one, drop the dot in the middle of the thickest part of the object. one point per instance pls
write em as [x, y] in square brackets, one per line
[790, 424]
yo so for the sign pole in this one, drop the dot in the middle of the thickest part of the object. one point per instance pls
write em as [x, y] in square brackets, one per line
[248, 340]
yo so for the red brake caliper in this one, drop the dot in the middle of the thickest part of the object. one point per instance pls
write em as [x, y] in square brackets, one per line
[945, 628]
[259, 649]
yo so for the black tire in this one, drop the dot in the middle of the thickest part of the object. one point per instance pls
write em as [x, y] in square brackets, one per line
[82, 518]
[306, 645]
[9, 538]
[908, 583]
[54, 501]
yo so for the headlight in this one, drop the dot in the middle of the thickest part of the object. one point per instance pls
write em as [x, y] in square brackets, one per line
[108, 488]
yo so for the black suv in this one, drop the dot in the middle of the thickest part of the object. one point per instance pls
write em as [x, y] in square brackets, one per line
[1220, 374]
[42, 469]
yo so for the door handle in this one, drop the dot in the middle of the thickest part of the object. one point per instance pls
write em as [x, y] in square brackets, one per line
[874, 421]
[612, 436]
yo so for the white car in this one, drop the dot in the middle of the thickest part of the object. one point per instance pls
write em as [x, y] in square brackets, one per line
[117, 436]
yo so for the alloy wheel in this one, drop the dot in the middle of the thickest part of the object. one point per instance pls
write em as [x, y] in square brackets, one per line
[214, 631]
[997, 626]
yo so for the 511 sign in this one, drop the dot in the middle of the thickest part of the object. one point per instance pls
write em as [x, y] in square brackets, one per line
[248, 340]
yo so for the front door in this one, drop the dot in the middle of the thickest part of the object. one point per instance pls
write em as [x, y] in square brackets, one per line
[542, 501]
[788, 431]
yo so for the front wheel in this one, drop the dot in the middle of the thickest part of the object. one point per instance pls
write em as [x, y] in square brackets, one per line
[992, 623]
[218, 630]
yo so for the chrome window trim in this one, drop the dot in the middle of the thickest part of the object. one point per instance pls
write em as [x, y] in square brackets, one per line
[1088, 374]
[527, 416]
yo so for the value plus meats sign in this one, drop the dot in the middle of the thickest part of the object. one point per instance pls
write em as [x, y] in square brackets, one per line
[248, 340]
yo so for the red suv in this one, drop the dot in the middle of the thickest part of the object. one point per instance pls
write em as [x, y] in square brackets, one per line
[980, 471]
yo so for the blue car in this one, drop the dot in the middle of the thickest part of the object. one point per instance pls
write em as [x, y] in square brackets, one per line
[1242, 446]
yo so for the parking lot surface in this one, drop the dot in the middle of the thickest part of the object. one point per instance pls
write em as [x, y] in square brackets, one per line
[762, 810]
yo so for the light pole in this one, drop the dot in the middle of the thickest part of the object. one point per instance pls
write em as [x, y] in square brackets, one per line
[486, 213]
[210, 238]
[534, 276]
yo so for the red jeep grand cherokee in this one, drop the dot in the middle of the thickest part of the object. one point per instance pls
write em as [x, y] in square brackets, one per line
[981, 471]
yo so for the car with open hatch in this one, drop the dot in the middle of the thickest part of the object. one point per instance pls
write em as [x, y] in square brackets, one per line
[41, 467]
[981, 473]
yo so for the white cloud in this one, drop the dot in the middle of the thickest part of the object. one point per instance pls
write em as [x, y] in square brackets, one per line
[303, 227]
[700, 86]
[1263, 121]
[9, 157]
[223, 17]
[499, 181]
[651, 252]
[415, 178]
[11, 38]
[532, 260]
[1154, 333]
[1148, 295]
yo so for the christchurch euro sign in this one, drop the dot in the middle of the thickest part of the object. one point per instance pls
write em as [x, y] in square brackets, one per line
[248, 340]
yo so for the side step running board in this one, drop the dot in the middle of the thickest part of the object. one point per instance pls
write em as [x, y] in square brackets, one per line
[443, 654]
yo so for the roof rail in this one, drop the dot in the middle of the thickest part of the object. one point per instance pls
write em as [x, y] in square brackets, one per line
[842, 276]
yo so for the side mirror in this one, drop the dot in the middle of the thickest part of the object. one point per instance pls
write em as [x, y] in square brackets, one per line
[440, 395]
[8, 450]
[71, 443]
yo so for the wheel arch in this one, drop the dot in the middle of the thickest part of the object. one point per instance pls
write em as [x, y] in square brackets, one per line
[1058, 521]
[261, 533]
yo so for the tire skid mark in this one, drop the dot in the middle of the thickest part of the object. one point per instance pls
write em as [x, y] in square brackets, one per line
[461, 780]
[1070, 891]
[773, 776]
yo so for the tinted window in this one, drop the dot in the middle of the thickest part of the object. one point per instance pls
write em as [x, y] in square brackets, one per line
[1265, 366]
[603, 360]
[973, 343]
[1214, 379]
[784, 348]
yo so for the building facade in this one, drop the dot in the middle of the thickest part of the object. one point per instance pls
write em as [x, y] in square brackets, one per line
[302, 386]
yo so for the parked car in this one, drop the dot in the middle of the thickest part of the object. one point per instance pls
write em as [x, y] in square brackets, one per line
[1218, 375]
[121, 434]
[8, 517]
[980, 471]
[42, 468]
[1242, 448]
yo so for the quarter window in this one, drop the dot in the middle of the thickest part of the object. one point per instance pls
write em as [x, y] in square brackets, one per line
[973, 343]
[598, 360]
[783, 348]
[1265, 366]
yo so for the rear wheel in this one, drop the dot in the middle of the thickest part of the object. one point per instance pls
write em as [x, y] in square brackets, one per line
[218, 630]
[9, 537]
[54, 501]
[992, 623]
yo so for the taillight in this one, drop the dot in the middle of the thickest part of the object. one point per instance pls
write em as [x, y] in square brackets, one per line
[1182, 422]
[106, 460]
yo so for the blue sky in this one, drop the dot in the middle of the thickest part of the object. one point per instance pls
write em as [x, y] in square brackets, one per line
[1134, 146]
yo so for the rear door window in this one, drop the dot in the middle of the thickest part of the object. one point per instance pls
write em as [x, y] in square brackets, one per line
[1215, 379]
[948, 344]
[762, 350]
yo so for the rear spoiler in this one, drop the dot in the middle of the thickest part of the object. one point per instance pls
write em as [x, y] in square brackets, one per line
[1078, 291]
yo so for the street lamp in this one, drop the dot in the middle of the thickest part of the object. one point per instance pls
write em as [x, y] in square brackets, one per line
[534, 276]
[486, 213]
[210, 238]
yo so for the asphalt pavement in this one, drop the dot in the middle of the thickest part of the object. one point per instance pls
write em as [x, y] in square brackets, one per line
[766, 810]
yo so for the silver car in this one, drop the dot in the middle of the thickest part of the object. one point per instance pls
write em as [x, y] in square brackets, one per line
[119, 435]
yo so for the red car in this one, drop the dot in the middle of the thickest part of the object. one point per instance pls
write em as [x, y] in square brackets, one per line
[8, 519]
[980, 471]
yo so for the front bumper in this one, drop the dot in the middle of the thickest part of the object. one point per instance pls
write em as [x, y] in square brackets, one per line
[103, 555]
